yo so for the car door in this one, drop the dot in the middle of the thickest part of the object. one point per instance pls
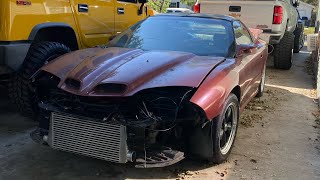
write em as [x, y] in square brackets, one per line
[95, 20]
[127, 14]
[249, 63]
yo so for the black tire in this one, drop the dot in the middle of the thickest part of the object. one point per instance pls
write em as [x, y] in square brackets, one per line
[283, 52]
[262, 82]
[298, 39]
[218, 155]
[21, 91]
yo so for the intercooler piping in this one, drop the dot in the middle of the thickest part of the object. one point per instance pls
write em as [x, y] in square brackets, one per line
[131, 156]
[45, 138]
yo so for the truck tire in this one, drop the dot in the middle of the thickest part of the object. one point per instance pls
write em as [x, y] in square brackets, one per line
[21, 91]
[298, 40]
[283, 52]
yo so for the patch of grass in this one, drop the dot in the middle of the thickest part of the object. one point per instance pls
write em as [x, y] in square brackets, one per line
[309, 30]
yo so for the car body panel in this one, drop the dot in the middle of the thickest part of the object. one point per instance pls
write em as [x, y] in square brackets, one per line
[93, 26]
[129, 16]
[165, 99]
[244, 72]
[95, 20]
[214, 78]
[136, 69]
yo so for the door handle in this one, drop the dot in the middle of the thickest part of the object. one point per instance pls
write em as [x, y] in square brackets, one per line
[120, 10]
[83, 8]
[234, 8]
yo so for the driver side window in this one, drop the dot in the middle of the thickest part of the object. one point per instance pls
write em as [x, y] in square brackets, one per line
[242, 35]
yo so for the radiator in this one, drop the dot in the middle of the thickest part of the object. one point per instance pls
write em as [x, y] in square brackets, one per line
[89, 137]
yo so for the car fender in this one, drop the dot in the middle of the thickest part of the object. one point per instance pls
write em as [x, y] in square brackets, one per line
[216, 87]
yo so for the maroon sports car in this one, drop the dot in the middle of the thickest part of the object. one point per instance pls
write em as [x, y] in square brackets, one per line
[170, 87]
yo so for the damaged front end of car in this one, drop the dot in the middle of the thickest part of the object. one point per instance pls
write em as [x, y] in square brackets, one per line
[151, 128]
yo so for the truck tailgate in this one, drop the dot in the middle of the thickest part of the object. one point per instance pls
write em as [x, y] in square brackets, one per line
[255, 14]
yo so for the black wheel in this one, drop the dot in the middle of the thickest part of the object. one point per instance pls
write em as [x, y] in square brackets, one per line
[20, 88]
[298, 40]
[224, 129]
[262, 82]
[283, 52]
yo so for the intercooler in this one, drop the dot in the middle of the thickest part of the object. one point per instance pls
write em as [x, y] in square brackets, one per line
[89, 137]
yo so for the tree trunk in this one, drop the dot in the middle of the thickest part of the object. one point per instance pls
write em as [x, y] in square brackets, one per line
[161, 7]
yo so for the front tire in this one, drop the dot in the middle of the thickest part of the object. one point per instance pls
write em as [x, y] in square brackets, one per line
[224, 129]
[21, 91]
[283, 52]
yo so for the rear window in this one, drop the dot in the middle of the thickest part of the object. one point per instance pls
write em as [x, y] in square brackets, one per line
[201, 36]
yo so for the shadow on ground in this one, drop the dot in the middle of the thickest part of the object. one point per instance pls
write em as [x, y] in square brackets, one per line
[5, 105]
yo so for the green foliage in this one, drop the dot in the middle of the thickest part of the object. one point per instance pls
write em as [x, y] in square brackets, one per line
[309, 30]
[188, 2]
[159, 5]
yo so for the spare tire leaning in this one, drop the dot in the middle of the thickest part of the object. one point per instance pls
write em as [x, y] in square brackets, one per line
[21, 91]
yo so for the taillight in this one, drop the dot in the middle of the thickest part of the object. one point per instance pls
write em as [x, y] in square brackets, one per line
[196, 7]
[277, 15]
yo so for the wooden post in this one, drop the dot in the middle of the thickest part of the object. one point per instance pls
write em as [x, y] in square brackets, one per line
[317, 68]
[318, 18]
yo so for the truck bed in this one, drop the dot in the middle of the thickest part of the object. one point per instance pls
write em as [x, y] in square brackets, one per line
[255, 14]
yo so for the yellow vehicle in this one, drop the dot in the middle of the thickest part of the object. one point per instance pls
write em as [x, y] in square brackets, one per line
[33, 32]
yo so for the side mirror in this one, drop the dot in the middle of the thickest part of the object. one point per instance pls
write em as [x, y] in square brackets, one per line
[245, 49]
[296, 3]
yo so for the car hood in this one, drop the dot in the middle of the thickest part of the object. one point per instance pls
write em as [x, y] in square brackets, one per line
[124, 72]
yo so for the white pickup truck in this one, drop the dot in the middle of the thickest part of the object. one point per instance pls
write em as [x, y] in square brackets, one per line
[277, 18]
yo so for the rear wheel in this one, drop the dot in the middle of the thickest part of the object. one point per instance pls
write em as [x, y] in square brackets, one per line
[224, 129]
[21, 91]
[283, 52]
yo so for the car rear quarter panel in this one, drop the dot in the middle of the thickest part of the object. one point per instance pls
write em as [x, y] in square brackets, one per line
[214, 90]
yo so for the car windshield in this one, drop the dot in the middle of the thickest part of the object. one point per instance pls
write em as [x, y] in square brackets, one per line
[201, 36]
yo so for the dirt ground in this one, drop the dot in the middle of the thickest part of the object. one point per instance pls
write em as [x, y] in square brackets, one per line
[278, 138]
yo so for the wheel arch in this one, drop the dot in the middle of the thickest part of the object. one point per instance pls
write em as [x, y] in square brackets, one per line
[211, 95]
[200, 143]
[237, 91]
[55, 32]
